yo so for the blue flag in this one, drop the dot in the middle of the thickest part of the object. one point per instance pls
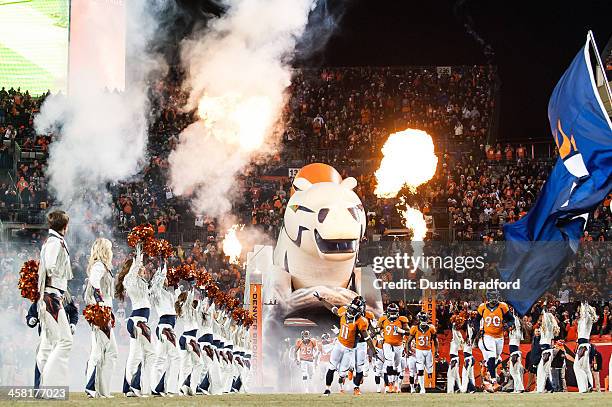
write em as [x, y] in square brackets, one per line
[540, 245]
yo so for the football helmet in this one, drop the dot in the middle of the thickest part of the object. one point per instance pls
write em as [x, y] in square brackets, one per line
[392, 311]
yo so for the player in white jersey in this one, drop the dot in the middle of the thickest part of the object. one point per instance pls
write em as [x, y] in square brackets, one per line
[167, 354]
[515, 363]
[582, 367]
[549, 327]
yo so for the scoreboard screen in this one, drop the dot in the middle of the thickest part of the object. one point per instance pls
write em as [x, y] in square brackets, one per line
[34, 44]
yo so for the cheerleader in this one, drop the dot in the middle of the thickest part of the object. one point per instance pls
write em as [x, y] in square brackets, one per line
[516, 358]
[452, 376]
[99, 290]
[191, 356]
[165, 372]
[549, 328]
[141, 355]
[205, 322]
[227, 365]
[582, 366]
[468, 382]
[54, 272]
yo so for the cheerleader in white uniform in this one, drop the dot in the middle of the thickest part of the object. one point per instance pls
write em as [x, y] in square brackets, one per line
[468, 382]
[516, 358]
[167, 354]
[549, 328]
[453, 380]
[99, 290]
[205, 322]
[582, 366]
[54, 273]
[216, 369]
[141, 356]
[191, 356]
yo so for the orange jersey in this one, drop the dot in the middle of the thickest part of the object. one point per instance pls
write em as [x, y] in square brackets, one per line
[348, 330]
[422, 339]
[389, 329]
[324, 355]
[307, 350]
[493, 320]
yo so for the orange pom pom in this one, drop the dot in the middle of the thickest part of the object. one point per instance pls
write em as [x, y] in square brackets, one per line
[140, 234]
[28, 280]
[98, 315]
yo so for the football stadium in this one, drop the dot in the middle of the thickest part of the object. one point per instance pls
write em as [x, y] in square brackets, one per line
[326, 202]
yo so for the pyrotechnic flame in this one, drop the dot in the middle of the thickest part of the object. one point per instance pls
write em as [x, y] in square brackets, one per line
[238, 120]
[414, 220]
[408, 159]
[231, 245]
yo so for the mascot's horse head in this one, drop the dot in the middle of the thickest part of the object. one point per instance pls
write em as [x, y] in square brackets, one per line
[324, 217]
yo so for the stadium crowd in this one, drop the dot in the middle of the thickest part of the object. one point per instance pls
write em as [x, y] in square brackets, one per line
[339, 116]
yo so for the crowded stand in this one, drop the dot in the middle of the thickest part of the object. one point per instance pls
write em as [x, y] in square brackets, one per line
[339, 116]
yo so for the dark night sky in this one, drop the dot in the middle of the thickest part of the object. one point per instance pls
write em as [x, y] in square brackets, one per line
[534, 42]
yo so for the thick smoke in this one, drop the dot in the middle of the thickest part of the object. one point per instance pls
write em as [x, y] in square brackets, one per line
[101, 135]
[237, 75]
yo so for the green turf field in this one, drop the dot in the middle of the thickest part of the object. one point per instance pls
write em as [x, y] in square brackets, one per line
[373, 399]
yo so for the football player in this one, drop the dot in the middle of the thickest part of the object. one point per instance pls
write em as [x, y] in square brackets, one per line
[361, 351]
[393, 327]
[493, 317]
[352, 324]
[379, 362]
[305, 353]
[326, 344]
[424, 334]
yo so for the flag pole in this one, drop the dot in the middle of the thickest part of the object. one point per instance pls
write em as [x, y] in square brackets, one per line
[600, 64]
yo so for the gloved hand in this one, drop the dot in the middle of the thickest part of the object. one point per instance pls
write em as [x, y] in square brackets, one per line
[32, 322]
[72, 328]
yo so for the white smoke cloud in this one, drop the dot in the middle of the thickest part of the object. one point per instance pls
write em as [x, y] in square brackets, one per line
[101, 136]
[237, 75]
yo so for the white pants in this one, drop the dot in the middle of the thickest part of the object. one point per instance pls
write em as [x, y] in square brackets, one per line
[101, 363]
[379, 363]
[341, 358]
[424, 360]
[361, 357]
[412, 365]
[452, 376]
[42, 354]
[58, 338]
[467, 373]
[140, 360]
[491, 347]
[516, 371]
[307, 369]
[165, 372]
[582, 369]
[214, 375]
[544, 371]
[393, 356]
[227, 374]
[191, 365]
